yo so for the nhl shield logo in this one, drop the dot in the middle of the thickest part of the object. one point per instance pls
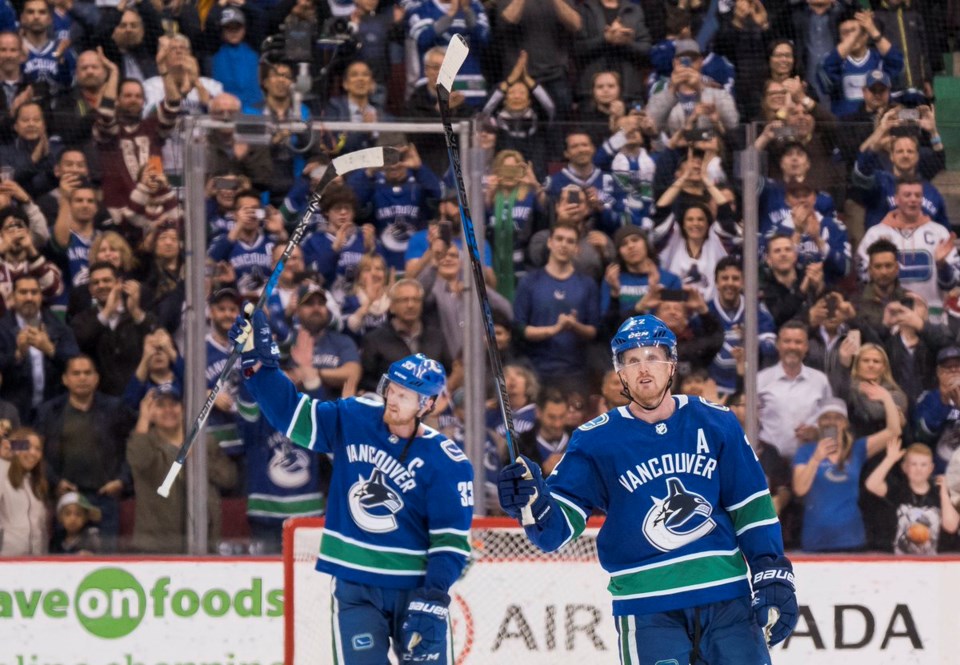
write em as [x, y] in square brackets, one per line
[661, 428]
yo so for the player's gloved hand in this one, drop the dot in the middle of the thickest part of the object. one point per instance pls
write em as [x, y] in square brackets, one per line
[254, 334]
[774, 598]
[521, 484]
[424, 632]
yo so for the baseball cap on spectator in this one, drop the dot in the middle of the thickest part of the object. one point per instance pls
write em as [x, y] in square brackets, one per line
[232, 15]
[226, 293]
[877, 77]
[625, 232]
[168, 390]
[830, 405]
[308, 290]
[77, 499]
[947, 354]
[686, 47]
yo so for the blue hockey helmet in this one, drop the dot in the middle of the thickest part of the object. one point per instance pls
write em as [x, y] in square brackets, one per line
[639, 331]
[423, 375]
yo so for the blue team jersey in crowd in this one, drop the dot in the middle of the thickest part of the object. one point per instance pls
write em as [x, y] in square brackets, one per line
[633, 287]
[390, 523]
[222, 425]
[723, 368]
[875, 188]
[252, 263]
[831, 515]
[283, 480]
[339, 269]
[539, 300]
[686, 501]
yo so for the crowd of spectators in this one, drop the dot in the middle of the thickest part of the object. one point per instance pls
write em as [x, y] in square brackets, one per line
[613, 133]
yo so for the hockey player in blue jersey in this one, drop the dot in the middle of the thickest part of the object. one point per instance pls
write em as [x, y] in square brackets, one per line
[689, 517]
[401, 500]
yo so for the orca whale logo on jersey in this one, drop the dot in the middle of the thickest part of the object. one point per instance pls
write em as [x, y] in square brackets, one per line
[373, 504]
[679, 519]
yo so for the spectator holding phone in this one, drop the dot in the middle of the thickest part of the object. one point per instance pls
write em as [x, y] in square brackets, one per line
[396, 199]
[20, 256]
[112, 331]
[689, 240]
[826, 474]
[160, 364]
[23, 496]
[670, 107]
[335, 252]
[34, 348]
[832, 342]
[921, 502]
[912, 342]
[248, 245]
[515, 203]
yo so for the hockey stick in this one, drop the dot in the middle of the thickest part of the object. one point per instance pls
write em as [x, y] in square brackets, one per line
[360, 159]
[457, 51]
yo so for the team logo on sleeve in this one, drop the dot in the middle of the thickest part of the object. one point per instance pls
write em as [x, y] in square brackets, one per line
[679, 519]
[373, 504]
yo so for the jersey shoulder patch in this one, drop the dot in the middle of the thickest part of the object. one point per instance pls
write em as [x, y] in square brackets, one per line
[368, 401]
[713, 405]
[453, 451]
[600, 420]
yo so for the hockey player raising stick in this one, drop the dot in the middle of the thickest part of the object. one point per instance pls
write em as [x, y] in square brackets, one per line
[401, 500]
[688, 511]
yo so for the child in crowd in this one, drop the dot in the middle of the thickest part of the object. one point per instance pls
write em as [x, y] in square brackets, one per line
[76, 533]
[923, 507]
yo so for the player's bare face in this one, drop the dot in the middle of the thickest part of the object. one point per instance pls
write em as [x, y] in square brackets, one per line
[402, 405]
[647, 371]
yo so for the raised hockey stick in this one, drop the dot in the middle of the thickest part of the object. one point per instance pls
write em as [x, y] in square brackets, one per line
[360, 159]
[457, 51]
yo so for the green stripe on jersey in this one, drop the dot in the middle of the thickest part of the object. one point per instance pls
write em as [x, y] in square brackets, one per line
[574, 517]
[457, 541]
[625, 638]
[307, 505]
[758, 509]
[711, 569]
[301, 430]
[335, 548]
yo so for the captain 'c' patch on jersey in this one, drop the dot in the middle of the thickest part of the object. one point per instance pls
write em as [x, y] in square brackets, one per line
[677, 519]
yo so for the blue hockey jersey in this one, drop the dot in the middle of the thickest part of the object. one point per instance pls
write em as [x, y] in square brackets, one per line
[723, 369]
[422, 22]
[686, 501]
[398, 209]
[283, 480]
[252, 263]
[222, 425]
[844, 79]
[390, 523]
[608, 219]
[875, 188]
